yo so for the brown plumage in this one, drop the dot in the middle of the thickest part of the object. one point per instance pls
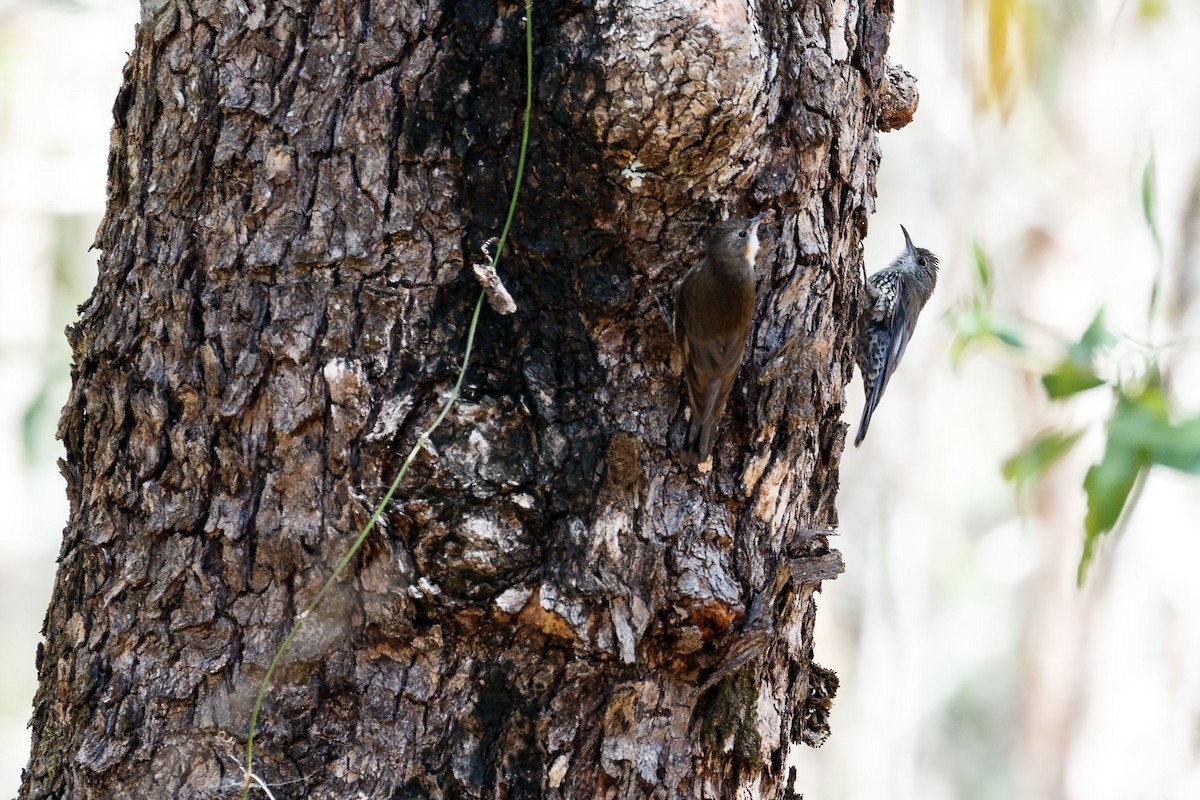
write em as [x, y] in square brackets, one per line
[713, 311]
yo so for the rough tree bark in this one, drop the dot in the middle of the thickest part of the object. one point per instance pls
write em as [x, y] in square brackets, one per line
[556, 606]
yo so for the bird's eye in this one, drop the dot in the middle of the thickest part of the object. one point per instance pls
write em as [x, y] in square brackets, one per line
[920, 262]
[741, 234]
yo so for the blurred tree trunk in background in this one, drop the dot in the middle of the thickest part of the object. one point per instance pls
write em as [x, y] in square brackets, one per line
[554, 606]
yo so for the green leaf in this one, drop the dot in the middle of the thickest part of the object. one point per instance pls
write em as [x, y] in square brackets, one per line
[1095, 337]
[1069, 378]
[976, 326]
[1181, 450]
[1180, 447]
[1141, 421]
[1148, 201]
[1107, 485]
[983, 271]
[968, 331]
[1148, 190]
[1140, 435]
[1039, 454]
[958, 349]
[1006, 331]
[1150, 216]
[1076, 373]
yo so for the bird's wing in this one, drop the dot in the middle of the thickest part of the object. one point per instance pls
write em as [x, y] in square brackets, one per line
[899, 330]
[682, 297]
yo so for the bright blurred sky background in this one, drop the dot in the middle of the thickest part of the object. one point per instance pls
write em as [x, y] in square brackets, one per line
[970, 664]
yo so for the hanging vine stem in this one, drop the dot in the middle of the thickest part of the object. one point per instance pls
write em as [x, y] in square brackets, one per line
[265, 686]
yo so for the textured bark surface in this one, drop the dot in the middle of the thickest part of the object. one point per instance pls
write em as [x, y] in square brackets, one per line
[555, 606]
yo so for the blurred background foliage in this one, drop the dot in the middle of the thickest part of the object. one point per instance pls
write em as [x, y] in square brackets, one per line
[1140, 425]
[1054, 166]
[1023, 58]
[1019, 528]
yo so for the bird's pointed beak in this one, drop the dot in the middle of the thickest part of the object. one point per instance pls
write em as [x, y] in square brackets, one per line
[758, 218]
[908, 242]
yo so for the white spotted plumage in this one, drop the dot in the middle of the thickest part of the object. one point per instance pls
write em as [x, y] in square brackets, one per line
[897, 294]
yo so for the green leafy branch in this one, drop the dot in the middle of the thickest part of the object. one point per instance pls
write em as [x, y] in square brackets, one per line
[1142, 428]
[340, 569]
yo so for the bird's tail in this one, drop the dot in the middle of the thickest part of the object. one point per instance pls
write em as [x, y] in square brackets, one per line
[698, 445]
[699, 442]
[868, 411]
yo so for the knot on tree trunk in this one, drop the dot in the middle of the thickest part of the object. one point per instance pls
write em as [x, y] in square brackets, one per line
[898, 98]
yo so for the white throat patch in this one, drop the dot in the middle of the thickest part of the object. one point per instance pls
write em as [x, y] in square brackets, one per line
[751, 251]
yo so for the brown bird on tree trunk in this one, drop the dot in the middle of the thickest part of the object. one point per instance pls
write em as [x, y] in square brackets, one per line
[713, 311]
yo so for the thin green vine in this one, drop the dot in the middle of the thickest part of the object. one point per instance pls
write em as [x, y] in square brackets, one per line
[265, 686]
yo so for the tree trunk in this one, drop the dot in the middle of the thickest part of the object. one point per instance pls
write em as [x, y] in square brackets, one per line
[555, 604]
